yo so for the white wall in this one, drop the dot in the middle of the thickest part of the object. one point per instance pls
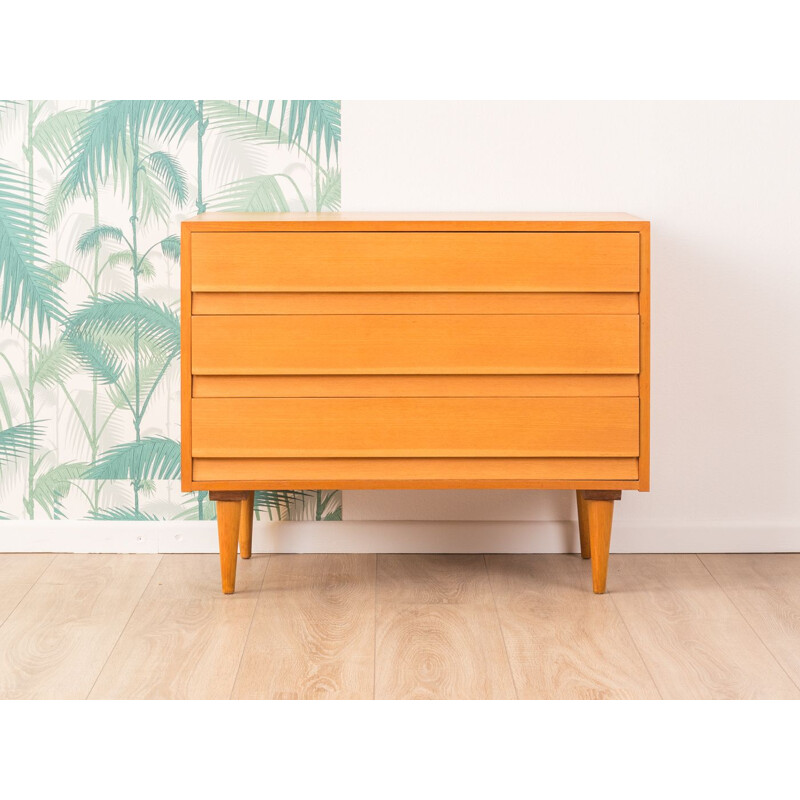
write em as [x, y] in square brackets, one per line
[720, 183]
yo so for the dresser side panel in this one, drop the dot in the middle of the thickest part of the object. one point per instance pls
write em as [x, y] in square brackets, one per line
[186, 358]
[644, 358]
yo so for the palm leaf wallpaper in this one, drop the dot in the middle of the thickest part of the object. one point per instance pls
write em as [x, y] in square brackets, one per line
[91, 198]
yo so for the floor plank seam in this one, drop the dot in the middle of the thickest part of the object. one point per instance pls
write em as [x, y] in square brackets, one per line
[500, 625]
[124, 627]
[249, 629]
[747, 621]
[375, 633]
[28, 590]
[636, 646]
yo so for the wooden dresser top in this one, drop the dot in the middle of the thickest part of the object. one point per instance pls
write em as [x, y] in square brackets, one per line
[556, 221]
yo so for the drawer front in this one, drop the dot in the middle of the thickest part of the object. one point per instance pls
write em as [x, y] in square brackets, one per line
[397, 344]
[417, 427]
[415, 262]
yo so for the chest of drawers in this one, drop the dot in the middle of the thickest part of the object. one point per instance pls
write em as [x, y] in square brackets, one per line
[362, 351]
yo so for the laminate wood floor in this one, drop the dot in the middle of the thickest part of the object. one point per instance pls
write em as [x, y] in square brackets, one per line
[399, 627]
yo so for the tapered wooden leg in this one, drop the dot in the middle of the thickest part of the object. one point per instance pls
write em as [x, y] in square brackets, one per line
[583, 526]
[229, 514]
[599, 514]
[246, 526]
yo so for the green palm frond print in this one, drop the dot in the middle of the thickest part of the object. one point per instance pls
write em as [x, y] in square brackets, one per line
[91, 198]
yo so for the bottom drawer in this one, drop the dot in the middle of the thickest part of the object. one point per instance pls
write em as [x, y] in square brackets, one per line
[415, 427]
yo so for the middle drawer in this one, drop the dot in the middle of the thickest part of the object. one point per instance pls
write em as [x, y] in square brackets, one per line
[423, 344]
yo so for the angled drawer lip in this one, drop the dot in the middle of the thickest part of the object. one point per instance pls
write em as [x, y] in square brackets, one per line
[269, 303]
[415, 386]
[321, 469]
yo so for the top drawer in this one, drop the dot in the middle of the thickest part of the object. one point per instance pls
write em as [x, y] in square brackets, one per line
[415, 262]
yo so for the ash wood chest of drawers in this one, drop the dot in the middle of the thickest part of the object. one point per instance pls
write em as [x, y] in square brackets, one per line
[357, 351]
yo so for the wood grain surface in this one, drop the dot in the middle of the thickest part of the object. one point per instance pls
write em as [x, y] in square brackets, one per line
[56, 641]
[415, 344]
[347, 427]
[599, 516]
[415, 303]
[415, 385]
[150, 626]
[765, 588]
[313, 632]
[563, 642]
[336, 471]
[644, 358]
[185, 640]
[436, 299]
[414, 262]
[438, 636]
[693, 639]
[186, 358]
[18, 573]
[411, 221]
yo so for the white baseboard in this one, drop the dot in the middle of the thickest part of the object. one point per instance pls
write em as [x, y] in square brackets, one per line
[77, 536]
